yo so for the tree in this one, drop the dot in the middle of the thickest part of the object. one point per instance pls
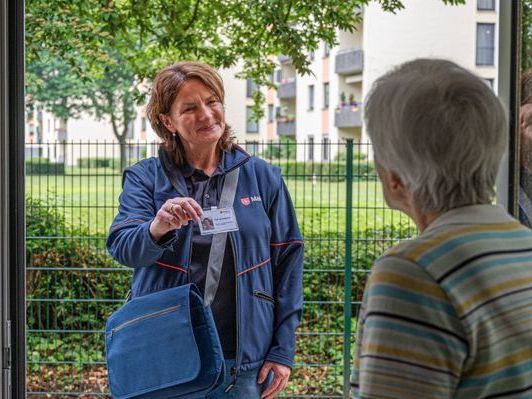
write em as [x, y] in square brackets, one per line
[99, 39]
[115, 97]
[52, 84]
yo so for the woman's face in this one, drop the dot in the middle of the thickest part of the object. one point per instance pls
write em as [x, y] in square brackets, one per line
[196, 115]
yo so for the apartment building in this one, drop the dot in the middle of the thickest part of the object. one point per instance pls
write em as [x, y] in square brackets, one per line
[328, 106]
[66, 141]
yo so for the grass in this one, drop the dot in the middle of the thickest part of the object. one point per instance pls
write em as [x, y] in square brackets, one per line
[90, 198]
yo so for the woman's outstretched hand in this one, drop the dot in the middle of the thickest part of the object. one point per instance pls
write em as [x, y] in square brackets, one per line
[174, 213]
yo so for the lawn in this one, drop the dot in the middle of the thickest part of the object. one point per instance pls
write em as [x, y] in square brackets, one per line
[90, 197]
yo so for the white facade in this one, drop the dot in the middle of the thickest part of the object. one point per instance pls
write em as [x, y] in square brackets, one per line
[424, 28]
[237, 108]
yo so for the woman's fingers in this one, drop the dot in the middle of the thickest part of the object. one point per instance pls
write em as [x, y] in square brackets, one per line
[188, 206]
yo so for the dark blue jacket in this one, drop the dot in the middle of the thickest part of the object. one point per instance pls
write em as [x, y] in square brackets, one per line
[268, 250]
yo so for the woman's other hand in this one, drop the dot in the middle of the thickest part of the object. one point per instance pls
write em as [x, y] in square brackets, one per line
[281, 373]
[174, 213]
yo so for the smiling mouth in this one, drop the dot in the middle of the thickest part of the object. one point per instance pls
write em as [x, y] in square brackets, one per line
[207, 128]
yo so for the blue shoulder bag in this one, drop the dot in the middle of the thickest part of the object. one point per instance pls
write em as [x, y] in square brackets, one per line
[165, 344]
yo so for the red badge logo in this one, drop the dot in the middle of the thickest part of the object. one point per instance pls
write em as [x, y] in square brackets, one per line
[245, 201]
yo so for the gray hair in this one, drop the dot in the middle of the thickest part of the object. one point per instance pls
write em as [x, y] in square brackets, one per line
[440, 129]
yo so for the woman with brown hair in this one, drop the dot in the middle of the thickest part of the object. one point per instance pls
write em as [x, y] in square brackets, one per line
[258, 304]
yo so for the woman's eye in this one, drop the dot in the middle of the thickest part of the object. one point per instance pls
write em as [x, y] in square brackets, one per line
[188, 110]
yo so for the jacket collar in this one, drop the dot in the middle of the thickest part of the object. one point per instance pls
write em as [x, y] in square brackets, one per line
[230, 160]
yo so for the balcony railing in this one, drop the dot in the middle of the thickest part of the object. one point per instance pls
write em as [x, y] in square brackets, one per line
[287, 90]
[286, 128]
[348, 116]
[349, 61]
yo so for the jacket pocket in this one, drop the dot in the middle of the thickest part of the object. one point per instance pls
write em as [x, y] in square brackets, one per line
[264, 296]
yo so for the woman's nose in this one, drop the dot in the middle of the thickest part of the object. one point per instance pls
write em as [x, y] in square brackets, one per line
[204, 111]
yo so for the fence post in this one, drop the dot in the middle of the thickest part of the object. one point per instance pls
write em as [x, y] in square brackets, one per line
[348, 267]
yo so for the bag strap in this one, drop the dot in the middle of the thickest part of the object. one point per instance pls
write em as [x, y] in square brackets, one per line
[216, 256]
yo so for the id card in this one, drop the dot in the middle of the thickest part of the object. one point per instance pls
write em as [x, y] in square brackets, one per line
[217, 220]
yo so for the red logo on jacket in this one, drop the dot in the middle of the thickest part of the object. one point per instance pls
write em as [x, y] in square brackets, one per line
[245, 201]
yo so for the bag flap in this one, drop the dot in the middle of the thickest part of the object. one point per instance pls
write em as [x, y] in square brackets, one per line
[150, 343]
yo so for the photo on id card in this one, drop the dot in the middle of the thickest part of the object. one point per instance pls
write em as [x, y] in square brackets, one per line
[217, 220]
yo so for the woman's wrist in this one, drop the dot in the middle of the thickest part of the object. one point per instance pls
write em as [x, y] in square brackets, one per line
[155, 233]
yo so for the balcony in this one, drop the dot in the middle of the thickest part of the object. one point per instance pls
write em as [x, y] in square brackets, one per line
[286, 128]
[284, 58]
[348, 116]
[349, 62]
[287, 89]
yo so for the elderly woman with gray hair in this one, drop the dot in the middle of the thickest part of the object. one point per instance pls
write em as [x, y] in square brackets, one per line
[447, 314]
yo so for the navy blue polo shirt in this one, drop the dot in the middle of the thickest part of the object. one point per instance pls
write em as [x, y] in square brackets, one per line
[203, 189]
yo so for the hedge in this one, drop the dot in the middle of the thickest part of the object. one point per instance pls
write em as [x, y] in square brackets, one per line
[326, 171]
[43, 166]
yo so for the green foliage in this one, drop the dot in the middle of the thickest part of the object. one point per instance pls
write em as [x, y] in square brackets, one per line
[79, 282]
[326, 171]
[43, 166]
[341, 156]
[148, 34]
[51, 83]
[285, 148]
[97, 162]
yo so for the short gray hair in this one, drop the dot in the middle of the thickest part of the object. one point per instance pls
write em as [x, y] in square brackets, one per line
[441, 129]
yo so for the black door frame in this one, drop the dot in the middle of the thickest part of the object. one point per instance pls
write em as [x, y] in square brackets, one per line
[12, 237]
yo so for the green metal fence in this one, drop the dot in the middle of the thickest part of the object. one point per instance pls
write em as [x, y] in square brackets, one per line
[73, 285]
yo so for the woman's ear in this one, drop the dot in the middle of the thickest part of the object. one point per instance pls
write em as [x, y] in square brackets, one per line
[167, 123]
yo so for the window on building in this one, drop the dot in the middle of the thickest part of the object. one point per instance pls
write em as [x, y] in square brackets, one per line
[326, 50]
[252, 125]
[279, 76]
[251, 87]
[326, 95]
[326, 148]
[311, 97]
[485, 44]
[485, 4]
[270, 113]
[143, 123]
[130, 130]
[310, 148]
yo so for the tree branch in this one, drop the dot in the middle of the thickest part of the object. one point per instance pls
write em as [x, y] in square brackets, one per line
[194, 16]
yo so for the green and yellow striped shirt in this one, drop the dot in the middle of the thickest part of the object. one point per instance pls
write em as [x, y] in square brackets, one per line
[449, 314]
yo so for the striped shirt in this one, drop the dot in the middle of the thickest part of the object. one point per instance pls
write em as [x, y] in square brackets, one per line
[449, 314]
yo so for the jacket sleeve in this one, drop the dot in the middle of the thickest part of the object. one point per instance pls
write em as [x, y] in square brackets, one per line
[129, 241]
[287, 263]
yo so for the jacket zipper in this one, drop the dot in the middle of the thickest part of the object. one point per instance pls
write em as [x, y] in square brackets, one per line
[234, 371]
[144, 317]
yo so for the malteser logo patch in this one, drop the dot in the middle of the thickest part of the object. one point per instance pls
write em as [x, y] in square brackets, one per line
[248, 200]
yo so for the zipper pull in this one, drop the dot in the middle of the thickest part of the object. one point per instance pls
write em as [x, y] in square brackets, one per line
[230, 386]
